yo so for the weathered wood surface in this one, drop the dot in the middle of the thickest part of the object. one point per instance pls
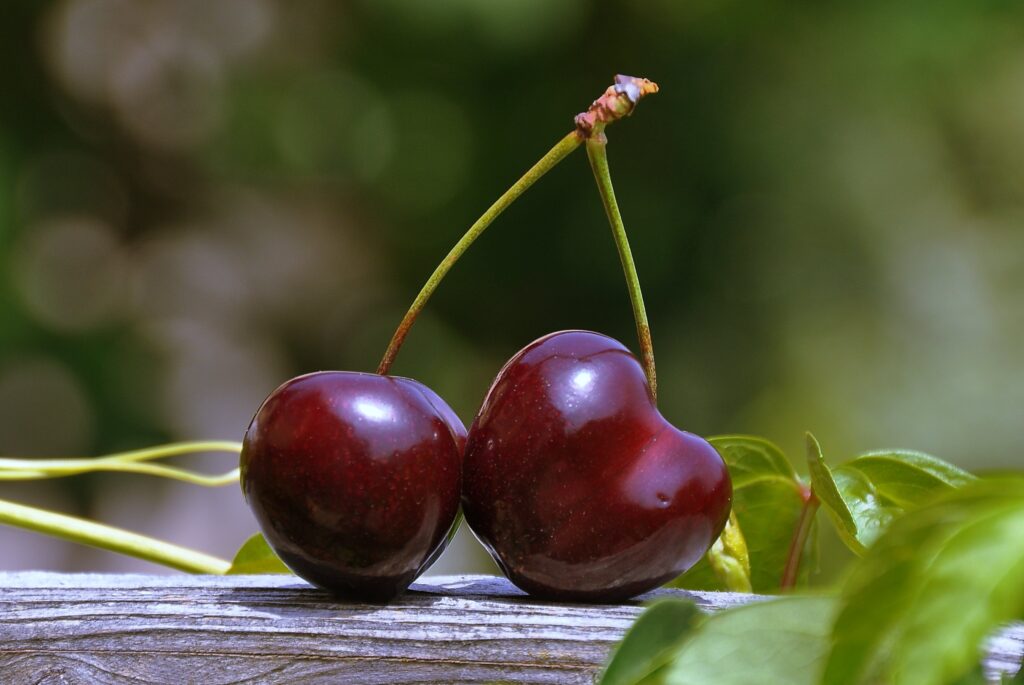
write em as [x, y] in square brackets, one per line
[57, 628]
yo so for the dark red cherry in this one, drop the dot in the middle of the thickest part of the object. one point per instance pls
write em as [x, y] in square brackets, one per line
[577, 485]
[354, 479]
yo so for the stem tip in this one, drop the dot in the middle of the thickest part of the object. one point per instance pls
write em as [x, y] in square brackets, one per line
[618, 101]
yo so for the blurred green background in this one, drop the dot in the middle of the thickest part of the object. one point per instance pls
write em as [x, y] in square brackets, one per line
[199, 200]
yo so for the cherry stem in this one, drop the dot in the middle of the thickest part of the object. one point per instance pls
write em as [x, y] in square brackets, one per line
[618, 101]
[597, 153]
[799, 541]
[110, 538]
[555, 155]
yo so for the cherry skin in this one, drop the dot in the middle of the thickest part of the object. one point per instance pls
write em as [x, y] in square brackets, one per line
[354, 479]
[576, 484]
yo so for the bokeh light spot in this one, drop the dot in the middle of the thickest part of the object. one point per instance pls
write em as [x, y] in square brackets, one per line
[71, 273]
[44, 410]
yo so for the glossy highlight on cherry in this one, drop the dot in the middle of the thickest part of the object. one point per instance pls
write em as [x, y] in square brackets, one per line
[577, 485]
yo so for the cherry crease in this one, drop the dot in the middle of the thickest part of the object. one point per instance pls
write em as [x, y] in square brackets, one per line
[576, 484]
[354, 479]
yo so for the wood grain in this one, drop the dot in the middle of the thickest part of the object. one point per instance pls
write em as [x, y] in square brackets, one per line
[57, 628]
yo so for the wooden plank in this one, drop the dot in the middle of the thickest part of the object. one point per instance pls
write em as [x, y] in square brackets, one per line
[58, 628]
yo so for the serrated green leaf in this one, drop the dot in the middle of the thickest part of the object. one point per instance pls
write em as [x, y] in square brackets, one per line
[827, 492]
[879, 487]
[649, 643]
[255, 556]
[931, 588]
[783, 641]
[767, 500]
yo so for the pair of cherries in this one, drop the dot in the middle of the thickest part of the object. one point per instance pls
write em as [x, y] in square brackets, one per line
[569, 476]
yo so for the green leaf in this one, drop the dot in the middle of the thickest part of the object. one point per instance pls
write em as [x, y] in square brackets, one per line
[879, 487]
[647, 645]
[908, 478]
[752, 459]
[872, 512]
[825, 489]
[782, 641]
[931, 588]
[729, 558]
[767, 499]
[255, 556]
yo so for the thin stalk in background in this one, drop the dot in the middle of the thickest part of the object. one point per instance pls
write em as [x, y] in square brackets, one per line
[799, 540]
[109, 538]
[126, 462]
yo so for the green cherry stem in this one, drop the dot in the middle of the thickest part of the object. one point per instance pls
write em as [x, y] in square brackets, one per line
[618, 101]
[597, 153]
[110, 538]
[555, 155]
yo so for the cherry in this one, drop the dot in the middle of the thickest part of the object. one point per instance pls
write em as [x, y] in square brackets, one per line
[577, 485]
[354, 479]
